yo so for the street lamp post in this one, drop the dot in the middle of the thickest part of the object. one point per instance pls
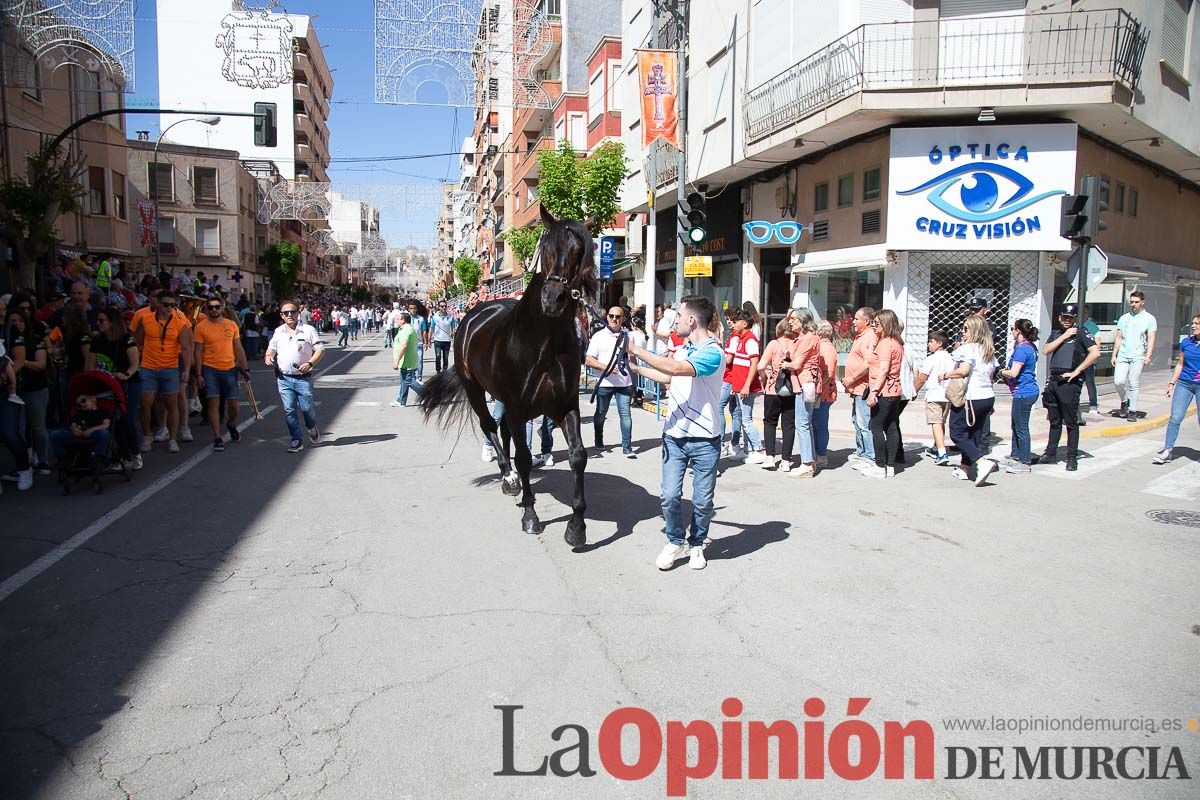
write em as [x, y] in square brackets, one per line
[157, 189]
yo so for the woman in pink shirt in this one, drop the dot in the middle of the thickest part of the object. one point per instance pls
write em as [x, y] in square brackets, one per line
[884, 393]
[805, 364]
[828, 359]
[778, 409]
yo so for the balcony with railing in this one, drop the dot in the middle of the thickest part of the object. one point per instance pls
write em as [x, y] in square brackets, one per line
[1069, 49]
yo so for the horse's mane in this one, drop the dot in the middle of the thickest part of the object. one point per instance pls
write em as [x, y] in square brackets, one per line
[565, 249]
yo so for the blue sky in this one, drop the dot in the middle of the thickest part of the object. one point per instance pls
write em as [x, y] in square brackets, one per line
[358, 126]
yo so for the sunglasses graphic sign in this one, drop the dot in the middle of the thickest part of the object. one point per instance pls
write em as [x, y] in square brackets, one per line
[760, 232]
[984, 187]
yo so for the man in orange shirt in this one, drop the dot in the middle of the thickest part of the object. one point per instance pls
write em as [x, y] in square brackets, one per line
[855, 381]
[218, 360]
[163, 337]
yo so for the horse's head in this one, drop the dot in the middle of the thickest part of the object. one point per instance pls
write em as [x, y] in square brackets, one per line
[567, 264]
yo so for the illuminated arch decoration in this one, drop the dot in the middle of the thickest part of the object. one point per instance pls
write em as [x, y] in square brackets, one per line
[295, 200]
[473, 49]
[96, 35]
[258, 47]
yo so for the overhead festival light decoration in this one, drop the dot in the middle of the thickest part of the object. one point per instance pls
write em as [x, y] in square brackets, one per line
[96, 35]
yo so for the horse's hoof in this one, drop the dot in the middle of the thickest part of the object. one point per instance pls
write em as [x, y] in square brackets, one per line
[535, 527]
[512, 487]
[576, 535]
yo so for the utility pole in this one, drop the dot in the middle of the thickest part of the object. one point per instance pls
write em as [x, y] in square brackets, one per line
[652, 177]
[681, 17]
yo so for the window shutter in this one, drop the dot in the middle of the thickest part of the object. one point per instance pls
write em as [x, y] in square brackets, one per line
[1174, 34]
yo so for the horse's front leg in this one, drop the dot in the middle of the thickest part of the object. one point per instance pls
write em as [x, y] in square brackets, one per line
[576, 535]
[529, 520]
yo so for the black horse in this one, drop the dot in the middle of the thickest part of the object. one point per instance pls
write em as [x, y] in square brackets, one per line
[526, 354]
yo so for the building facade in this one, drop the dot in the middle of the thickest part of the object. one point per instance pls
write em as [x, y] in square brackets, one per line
[913, 155]
[206, 215]
[43, 95]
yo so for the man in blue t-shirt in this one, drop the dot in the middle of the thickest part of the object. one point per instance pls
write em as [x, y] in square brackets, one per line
[693, 427]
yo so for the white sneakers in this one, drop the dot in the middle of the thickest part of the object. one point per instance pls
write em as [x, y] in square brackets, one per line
[487, 454]
[960, 474]
[147, 444]
[543, 460]
[770, 462]
[756, 457]
[185, 435]
[696, 558]
[172, 446]
[983, 469]
[1163, 457]
[875, 471]
[670, 554]
[25, 480]
[804, 471]
[314, 435]
[161, 435]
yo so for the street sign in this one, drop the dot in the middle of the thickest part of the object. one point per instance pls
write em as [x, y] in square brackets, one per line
[1097, 267]
[697, 267]
[608, 253]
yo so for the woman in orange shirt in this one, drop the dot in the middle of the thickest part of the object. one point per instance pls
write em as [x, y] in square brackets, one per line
[805, 364]
[828, 356]
[884, 393]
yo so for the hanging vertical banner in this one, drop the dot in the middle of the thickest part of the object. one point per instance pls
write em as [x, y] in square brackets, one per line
[658, 77]
[149, 237]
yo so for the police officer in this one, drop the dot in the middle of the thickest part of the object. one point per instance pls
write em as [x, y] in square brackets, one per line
[1070, 350]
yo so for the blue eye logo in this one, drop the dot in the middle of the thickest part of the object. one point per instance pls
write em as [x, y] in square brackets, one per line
[981, 200]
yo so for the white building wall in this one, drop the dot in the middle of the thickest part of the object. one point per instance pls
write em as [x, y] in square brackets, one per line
[345, 219]
[190, 77]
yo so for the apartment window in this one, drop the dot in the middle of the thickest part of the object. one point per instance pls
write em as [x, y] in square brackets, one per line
[1106, 190]
[551, 8]
[596, 96]
[1133, 200]
[845, 186]
[166, 234]
[1175, 35]
[872, 184]
[614, 84]
[204, 185]
[577, 132]
[89, 95]
[29, 74]
[162, 184]
[96, 191]
[718, 87]
[1118, 204]
[821, 196]
[208, 237]
[118, 193]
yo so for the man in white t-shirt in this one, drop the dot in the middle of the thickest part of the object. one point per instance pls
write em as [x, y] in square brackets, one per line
[937, 408]
[692, 429]
[1133, 348]
[617, 382]
[295, 349]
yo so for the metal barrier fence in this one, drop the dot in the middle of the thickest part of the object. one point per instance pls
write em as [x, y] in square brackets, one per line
[652, 391]
[1064, 47]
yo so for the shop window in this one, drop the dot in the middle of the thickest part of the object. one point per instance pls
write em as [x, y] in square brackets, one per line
[821, 197]
[845, 189]
[872, 184]
[1118, 204]
[871, 221]
[1133, 201]
[820, 230]
[96, 191]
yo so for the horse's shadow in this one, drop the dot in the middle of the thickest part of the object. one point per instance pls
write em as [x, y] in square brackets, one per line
[748, 540]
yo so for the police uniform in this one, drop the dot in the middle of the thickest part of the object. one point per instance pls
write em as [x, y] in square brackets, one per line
[1061, 396]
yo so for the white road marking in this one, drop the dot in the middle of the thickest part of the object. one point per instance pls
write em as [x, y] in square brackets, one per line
[78, 540]
[1103, 458]
[368, 403]
[1182, 483]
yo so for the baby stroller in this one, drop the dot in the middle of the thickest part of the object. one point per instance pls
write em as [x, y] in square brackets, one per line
[77, 463]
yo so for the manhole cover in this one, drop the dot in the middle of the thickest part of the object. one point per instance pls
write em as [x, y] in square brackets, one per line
[1169, 517]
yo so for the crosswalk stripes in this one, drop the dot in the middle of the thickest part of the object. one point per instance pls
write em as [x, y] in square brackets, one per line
[1101, 459]
[1181, 483]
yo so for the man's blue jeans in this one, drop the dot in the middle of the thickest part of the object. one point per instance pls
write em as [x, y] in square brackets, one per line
[420, 360]
[296, 396]
[1022, 407]
[343, 335]
[864, 444]
[702, 455]
[60, 438]
[604, 396]
[1182, 396]
[408, 380]
[742, 414]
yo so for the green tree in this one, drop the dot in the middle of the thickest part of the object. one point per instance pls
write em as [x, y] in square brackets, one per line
[29, 208]
[587, 189]
[523, 242]
[468, 271]
[283, 267]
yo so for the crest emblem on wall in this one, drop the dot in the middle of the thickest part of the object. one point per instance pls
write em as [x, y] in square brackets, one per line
[258, 49]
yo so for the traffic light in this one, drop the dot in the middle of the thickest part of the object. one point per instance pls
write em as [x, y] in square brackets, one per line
[1096, 187]
[697, 217]
[1073, 221]
[265, 132]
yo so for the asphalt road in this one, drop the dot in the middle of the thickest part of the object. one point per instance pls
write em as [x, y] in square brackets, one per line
[341, 623]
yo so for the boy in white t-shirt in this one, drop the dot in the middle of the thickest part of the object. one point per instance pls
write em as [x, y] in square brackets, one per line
[937, 408]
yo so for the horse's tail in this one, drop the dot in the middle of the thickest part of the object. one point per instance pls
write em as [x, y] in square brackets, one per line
[443, 396]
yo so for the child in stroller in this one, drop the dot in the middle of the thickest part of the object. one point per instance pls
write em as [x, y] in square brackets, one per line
[87, 446]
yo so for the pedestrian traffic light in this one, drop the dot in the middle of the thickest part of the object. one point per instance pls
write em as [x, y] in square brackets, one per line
[1073, 221]
[697, 217]
[265, 132]
[1096, 187]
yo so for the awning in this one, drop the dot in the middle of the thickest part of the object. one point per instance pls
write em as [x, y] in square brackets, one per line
[873, 256]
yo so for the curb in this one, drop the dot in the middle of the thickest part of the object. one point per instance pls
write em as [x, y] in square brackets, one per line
[1129, 429]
